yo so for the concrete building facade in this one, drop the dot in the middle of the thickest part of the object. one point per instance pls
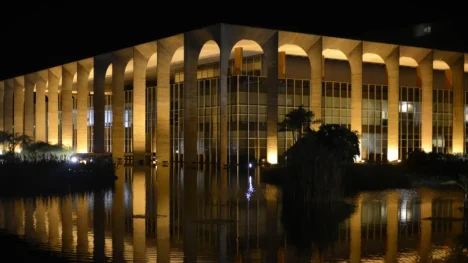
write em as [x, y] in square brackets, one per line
[216, 95]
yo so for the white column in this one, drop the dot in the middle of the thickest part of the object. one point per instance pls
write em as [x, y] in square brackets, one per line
[355, 62]
[392, 63]
[41, 127]
[68, 73]
[52, 106]
[8, 114]
[83, 71]
[18, 118]
[457, 69]
[425, 74]
[270, 63]
[29, 82]
[2, 105]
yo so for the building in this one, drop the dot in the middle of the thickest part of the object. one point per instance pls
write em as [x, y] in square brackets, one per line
[216, 95]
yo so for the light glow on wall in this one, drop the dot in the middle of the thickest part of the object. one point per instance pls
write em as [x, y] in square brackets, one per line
[272, 156]
[392, 154]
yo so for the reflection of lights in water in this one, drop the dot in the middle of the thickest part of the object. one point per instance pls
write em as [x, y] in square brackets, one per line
[250, 190]
[403, 211]
[108, 199]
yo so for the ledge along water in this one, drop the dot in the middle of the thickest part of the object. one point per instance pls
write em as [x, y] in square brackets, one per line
[53, 177]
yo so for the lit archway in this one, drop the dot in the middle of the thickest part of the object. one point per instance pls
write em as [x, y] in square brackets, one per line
[208, 74]
[408, 62]
[372, 58]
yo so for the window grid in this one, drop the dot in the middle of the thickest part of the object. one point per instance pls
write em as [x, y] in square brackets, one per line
[90, 123]
[150, 121]
[128, 121]
[336, 103]
[410, 99]
[292, 93]
[108, 123]
[374, 122]
[442, 114]
[208, 120]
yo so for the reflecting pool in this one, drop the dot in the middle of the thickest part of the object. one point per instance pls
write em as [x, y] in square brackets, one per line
[232, 217]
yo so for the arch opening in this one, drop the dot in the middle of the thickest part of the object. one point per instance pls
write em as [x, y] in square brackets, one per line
[372, 58]
[440, 65]
[408, 62]
[334, 54]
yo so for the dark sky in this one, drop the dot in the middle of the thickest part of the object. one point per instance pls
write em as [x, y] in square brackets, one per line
[42, 37]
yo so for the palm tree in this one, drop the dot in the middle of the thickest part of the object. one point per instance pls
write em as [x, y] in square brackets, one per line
[298, 120]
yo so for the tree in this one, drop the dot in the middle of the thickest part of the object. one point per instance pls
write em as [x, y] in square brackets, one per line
[10, 141]
[298, 120]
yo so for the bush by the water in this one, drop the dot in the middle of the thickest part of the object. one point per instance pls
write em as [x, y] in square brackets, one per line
[436, 164]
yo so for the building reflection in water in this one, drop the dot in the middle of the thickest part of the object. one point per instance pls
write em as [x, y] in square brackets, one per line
[231, 217]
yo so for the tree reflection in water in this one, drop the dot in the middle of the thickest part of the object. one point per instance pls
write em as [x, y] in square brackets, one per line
[311, 224]
[314, 201]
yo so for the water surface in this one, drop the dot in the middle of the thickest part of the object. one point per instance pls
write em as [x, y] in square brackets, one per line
[232, 217]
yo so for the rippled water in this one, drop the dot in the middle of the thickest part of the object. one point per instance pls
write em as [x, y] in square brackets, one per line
[232, 218]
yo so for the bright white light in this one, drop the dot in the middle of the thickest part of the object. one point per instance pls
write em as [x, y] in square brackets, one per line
[74, 159]
[177, 151]
[250, 190]
[250, 165]
[1, 152]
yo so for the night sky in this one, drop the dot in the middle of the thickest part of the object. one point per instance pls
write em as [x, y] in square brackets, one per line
[43, 37]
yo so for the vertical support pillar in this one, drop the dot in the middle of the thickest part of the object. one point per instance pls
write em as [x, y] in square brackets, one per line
[281, 64]
[68, 73]
[41, 80]
[119, 64]
[29, 81]
[458, 106]
[355, 62]
[52, 107]
[238, 57]
[316, 70]
[163, 99]
[140, 63]
[83, 71]
[392, 63]
[425, 73]
[8, 121]
[100, 67]
[191, 53]
[225, 52]
[2, 105]
[18, 118]
[270, 63]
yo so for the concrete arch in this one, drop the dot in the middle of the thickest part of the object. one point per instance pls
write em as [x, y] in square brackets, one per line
[408, 62]
[151, 71]
[440, 65]
[454, 80]
[372, 58]
[84, 84]
[291, 49]
[465, 66]
[337, 54]
[210, 50]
